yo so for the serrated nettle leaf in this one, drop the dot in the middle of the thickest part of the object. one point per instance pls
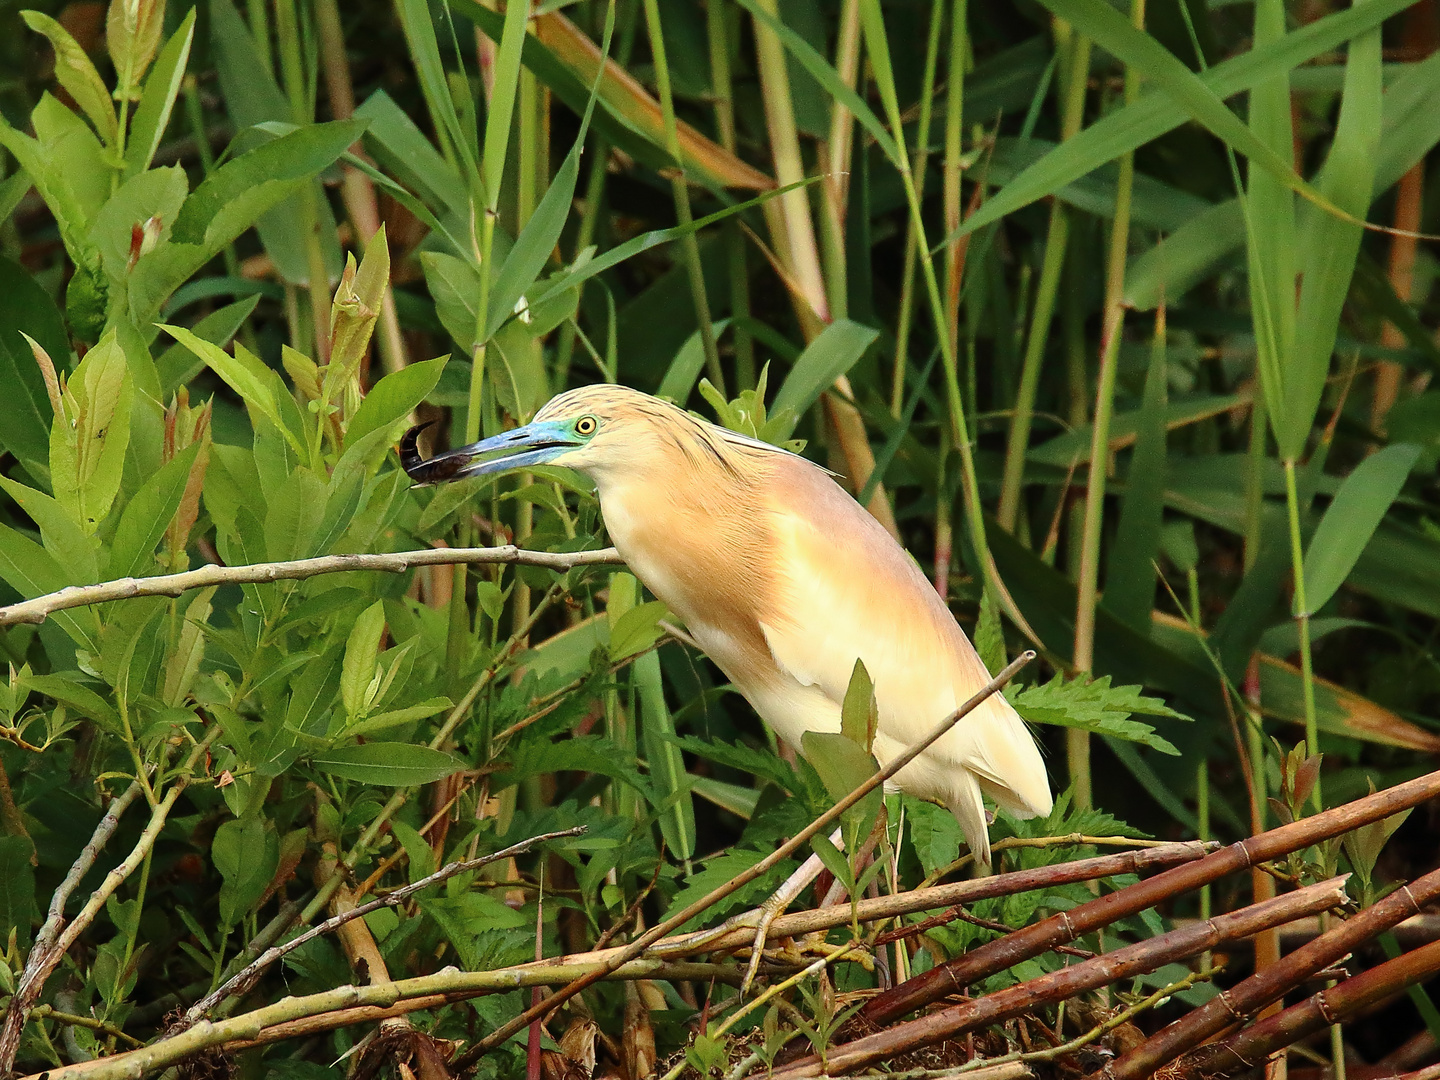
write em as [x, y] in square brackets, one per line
[1097, 707]
[75, 72]
[361, 657]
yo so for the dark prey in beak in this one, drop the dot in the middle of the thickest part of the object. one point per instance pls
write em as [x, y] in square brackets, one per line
[439, 468]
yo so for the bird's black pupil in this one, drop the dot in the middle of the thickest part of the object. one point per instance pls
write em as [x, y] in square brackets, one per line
[586, 426]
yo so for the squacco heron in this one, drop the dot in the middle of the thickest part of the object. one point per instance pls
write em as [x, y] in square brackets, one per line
[785, 581]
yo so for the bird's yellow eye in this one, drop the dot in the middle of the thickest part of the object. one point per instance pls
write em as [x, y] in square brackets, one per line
[586, 425]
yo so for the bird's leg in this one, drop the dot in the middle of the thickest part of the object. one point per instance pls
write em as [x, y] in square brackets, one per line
[775, 906]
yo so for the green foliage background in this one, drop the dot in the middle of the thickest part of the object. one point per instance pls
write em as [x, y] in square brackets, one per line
[1083, 311]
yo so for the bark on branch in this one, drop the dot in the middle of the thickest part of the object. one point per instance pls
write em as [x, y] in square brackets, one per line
[38, 609]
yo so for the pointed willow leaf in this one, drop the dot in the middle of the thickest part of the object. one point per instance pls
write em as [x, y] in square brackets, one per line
[383, 764]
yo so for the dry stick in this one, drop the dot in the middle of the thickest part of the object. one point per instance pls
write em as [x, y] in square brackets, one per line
[1064, 927]
[1330, 1006]
[1068, 981]
[874, 909]
[43, 954]
[242, 981]
[1271, 983]
[17, 1013]
[824, 821]
[37, 610]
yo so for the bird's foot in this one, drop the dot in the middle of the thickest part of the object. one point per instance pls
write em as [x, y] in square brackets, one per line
[770, 910]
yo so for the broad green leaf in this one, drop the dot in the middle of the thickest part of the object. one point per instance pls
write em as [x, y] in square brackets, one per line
[404, 151]
[824, 360]
[148, 515]
[177, 365]
[32, 571]
[294, 515]
[425, 49]
[383, 764]
[455, 285]
[154, 193]
[361, 655]
[843, 766]
[66, 689]
[61, 534]
[244, 373]
[859, 714]
[246, 852]
[1350, 521]
[152, 115]
[502, 101]
[88, 443]
[17, 887]
[24, 306]
[75, 72]
[392, 399]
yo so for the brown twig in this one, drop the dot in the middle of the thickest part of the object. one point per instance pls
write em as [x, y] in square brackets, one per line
[741, 931]
[1058, 985]
[1062, 928]
[243, 980]
[824, 821]
[38, 609]
[1271, 984]
[1257, 1042]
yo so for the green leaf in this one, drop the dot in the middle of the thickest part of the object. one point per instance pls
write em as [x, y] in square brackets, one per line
[87, 445]
[394, 398]
[17, 887]
[361, 656]
[148, 515]
[246, 852]
[152, 115]
[824, 360]
[455, 286]
[636, 629]
[177, 365]
[502, 100]
[1095, 707]
[1133, 126]
[418, 852]
[1130, 569]
[244, 373]
[76, 553]
[75, 72]
[1350, 521]
[387, 764]
[66, 689]
[24, 306]
[667, 765]
[859, 714]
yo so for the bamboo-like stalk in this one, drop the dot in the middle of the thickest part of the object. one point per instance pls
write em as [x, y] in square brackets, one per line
[985, 960]
[1065, 982]
[1307, 672]
[1254, 1044]
[718, 21]
[1077, 743]
[287, 30]
[919, 158]
[681, 192]
[1271, 983]
[1057, 236]
[835, 156]
[357, 190]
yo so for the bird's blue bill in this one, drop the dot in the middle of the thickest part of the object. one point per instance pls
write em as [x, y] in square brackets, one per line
[533, 444]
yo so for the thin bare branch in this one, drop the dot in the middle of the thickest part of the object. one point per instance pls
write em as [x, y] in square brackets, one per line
[38, 609]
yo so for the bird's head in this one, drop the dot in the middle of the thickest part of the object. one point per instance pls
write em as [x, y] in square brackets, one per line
[594, 429]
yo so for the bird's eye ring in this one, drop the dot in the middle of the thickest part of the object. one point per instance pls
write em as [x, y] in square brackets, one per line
[586, 425]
